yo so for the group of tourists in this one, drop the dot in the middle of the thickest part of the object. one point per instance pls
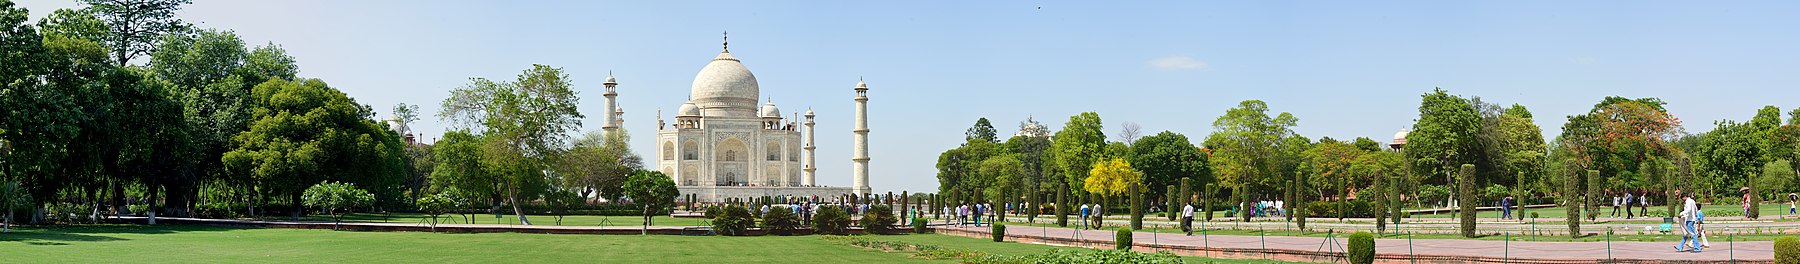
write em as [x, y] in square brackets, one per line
[1641, 198]
[962, 215]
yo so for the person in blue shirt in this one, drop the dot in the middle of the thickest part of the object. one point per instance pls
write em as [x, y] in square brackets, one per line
[1084, 216]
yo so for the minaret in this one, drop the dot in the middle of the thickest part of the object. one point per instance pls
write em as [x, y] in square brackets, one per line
[809, 179]
[609, 117]
[860, 168]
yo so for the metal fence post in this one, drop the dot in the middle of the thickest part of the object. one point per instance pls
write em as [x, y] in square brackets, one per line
[1731, 249]
[1411, 257]
[1506, 254]
[1265, 241]
[1609, 256]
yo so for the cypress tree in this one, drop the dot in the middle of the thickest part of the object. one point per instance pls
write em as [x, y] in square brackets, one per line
[1137, 207]
[1062, 205]
[1465, 183]
[1571, 199]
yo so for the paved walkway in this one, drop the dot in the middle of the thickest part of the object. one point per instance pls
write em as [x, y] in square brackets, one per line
[1402, 248]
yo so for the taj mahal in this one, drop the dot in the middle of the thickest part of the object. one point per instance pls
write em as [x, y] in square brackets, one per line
[723, 144]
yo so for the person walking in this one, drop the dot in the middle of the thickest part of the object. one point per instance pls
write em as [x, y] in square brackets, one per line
[1084, 215]
[1505, 207]
[1628, 198]
[1792, 199]
[1644, 203]
[1700, 228]
[1615, 212]
[1099, 216]
[1187, 219]
[1689, 234]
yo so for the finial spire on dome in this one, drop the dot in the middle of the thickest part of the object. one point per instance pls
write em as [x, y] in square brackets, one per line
[727, 42]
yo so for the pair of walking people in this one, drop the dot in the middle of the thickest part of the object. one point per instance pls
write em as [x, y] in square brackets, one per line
[1693, 226]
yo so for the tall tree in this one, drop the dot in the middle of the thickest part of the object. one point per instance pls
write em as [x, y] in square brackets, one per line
[1250, 148]
[458, 157]
[527, 121]
[136, 24]
[1130, 132]
[1166, 157]
[1330, 163]
[1006, 176]
[1077, 146]
[983, 131]
[1619, 133]
[1444, 136]
[306, 132]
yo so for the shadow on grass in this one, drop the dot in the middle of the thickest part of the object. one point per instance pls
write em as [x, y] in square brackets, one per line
[60, 235]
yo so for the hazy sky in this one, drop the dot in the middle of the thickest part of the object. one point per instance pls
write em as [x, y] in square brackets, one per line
[1346, 69]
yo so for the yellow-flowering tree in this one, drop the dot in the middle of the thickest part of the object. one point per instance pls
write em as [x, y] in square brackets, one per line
[1112, 177]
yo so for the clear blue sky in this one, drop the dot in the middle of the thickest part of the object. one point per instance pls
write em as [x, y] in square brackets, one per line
[1346, 69]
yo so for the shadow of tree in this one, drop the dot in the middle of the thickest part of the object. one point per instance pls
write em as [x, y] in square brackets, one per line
[58, 235]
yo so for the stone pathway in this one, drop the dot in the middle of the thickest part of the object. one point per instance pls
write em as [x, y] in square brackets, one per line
[1559, 252]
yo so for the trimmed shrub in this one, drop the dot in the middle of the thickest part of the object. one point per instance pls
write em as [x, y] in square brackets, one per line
[999, 232]
[1787, 250]
[918, 225]
[780, 221]
[1122, 239]
[1755, 204]
[1362, 248]
[878, 219]
[1465, 198]
[733, 221]
[1137, 207]
[831, 220]
[1571, 191]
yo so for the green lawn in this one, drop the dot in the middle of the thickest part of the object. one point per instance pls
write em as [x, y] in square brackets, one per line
[194, 244]
[1769, 212]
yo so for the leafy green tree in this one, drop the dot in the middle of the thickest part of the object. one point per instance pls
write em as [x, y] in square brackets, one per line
[561, 203]
[1006, 173]
[336, 199]
[1077, 146]
[13, 198]
[1776, 177]
[305, 132]
[1444, 136]
[1250, 148]
[653, 191]
[599, 163]
[1618, 134]
[436, 205]
[458, 157]
[1330, 163]
[76, 24]
[983, 130]
[136, 25]
[25, 54]
[1166, 157]
[526, 122]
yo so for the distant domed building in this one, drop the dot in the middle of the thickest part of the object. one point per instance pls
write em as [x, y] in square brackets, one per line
[723, 144]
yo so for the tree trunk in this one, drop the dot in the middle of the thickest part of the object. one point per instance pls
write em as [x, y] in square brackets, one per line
[152, 207]
[297, 208]
[513, 194]
[646, 220]
[118, 200]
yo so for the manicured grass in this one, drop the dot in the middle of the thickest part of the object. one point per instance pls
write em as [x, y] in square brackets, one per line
[206, 244]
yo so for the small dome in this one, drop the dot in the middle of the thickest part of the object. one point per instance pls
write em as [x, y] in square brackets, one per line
[860, 85]
[1400, 137]
[610, 80]
[688, 109]
[769, 110]
[809, 112]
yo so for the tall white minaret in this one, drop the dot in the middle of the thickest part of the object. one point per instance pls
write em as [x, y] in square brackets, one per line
[860, 168]
[609, 117]
[809, 179]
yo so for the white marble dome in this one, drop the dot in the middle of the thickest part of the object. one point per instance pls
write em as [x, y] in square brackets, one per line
[725, 88]
[769, 110]
[688, 109]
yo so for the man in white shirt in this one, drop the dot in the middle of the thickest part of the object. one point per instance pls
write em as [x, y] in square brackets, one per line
[1688, 209]
[1099, 215]
[1187, 219]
